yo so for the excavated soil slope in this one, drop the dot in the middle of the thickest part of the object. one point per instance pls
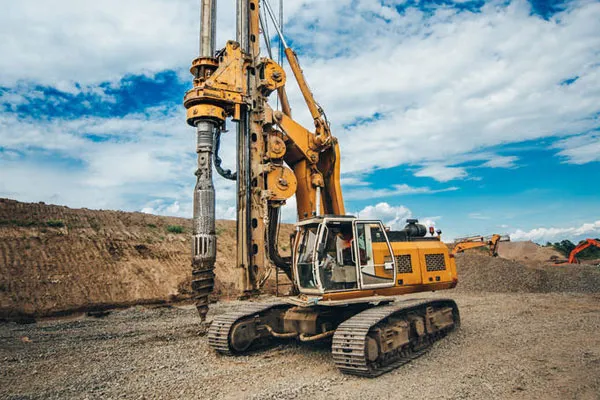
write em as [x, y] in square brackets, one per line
[56, 259]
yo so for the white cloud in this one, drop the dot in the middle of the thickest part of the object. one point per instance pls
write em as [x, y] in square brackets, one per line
[393, 216]
[441, 173]
[476, 215]
[552, 234]
[580, 149]
[429, 221]
[452, 84]
[446, 84]
[501, 162]
[353, 181]
[161, 208]
[148, 163]
[93, 41]
[396, 190]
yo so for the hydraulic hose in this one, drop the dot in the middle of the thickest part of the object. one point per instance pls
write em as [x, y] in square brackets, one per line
[281, 335]
[306, 338]
[225, 173]
[285, 263]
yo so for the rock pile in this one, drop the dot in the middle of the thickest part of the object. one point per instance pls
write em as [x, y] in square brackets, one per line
[482, 273]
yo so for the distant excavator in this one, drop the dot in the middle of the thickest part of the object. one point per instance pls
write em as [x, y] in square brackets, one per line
[473, 242]
[580, 247]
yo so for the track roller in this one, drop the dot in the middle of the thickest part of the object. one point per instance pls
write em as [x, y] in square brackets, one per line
[380, 339]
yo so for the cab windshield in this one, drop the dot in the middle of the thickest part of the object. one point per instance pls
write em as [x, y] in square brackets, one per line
[337, 269]
[306, 257]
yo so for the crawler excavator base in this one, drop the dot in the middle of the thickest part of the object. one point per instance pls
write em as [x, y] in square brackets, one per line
[383, 338]
[368, 340]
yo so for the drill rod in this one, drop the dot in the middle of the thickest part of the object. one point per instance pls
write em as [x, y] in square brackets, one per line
[204, 237]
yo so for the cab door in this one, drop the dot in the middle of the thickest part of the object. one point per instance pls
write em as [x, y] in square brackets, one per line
[376, 266]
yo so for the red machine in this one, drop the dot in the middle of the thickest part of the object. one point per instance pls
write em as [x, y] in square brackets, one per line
[580, 247]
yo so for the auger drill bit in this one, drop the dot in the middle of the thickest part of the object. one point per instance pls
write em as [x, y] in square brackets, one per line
[204, 240]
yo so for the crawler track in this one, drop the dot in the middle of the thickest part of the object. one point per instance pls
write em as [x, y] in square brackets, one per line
[349, 342]
[218, 333]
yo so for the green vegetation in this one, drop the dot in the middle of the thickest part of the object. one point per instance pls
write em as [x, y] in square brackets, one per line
[175, 229]
[564, 247]
[55, 223]
[94, 224]
[153, 226]
[14, 222]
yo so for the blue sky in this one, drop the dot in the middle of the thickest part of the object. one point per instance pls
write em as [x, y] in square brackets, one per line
[476, 117]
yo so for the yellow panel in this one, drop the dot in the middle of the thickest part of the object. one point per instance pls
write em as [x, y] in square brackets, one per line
[418, 251]
[380, 250]
[414, 277]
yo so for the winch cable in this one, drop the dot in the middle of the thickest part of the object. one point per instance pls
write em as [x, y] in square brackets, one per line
[264, 25]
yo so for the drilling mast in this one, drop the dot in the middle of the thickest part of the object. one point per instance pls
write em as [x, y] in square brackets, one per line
[252, 216]
[232, 84]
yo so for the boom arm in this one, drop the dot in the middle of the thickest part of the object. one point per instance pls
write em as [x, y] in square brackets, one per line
[314, 157]
[480, 241]
[580, 247]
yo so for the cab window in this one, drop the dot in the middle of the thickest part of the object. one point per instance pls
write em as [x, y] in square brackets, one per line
[306, 256]
[337, 269]
[373, 251]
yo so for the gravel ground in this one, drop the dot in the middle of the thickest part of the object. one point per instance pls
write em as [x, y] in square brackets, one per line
[510, 345]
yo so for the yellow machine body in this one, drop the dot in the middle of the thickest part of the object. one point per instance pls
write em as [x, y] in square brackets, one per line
[341, 258]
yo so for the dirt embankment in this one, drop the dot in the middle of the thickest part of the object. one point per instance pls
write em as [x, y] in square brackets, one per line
[55, 259]
[527, 252]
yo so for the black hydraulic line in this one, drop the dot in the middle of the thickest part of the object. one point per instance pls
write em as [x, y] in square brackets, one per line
[284, 263]
[225, 173]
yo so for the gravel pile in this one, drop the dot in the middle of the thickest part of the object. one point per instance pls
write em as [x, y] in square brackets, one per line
[510, 345]
[526, 251]
[478, 272]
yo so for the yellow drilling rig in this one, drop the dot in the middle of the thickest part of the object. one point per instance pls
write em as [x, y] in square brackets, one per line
[345, 271]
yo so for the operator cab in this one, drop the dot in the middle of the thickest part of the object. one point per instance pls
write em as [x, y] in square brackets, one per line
[342, 253]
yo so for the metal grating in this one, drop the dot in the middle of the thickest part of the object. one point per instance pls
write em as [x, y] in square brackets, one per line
[435, 262]
[404, 264]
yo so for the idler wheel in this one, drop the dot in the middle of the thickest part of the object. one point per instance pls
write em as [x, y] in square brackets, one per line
[242, 336]
[372, 349]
